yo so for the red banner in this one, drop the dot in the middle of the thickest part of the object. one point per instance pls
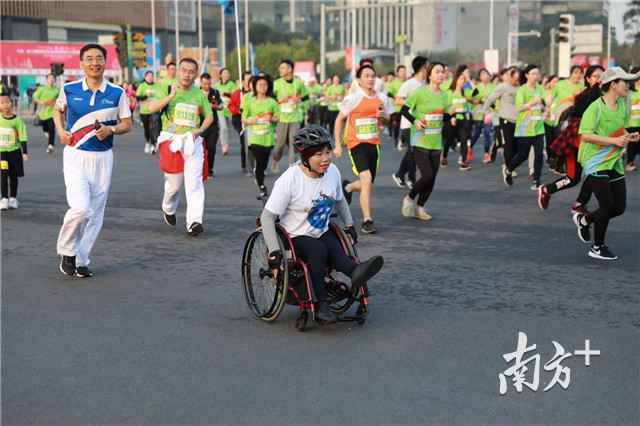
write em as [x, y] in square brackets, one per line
[305, 71]
[27, 58]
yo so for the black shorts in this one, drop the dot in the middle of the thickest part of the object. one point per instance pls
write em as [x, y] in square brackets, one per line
[365, 156]
[11, 163]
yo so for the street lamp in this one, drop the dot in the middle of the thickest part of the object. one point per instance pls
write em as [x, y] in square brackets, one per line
[515, 34]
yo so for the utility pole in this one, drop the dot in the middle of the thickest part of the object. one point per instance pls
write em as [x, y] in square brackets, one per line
[201, 53]
[153, 37]
[223, 34]
[177, 28]
[246, 34]
[552, 51]
[323, 42]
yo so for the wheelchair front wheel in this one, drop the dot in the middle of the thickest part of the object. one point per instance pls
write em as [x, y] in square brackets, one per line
[264, 295]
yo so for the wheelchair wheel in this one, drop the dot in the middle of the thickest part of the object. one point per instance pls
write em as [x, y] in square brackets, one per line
[264, 295]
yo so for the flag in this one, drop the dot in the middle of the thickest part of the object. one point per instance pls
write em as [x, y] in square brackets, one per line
[228, 7]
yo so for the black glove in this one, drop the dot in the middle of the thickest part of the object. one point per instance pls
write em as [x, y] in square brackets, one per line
[275, 259]
[351, 231]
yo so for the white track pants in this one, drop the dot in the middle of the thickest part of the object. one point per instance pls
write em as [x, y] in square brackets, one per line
[193, 187]
[87, 176]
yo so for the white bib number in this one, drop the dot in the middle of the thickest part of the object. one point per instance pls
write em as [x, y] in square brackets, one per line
[7, 137]
[185, 115]
[366, 128]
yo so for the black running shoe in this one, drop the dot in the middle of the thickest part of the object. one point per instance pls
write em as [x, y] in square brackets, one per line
[602, 252]
[195, 229]
[368, 227]
[584, 233]
[263, 193]
[83, 272]
[507, 177]
[68, 265]
[169, 219]
[347, 195]
[324, 314]
[365, 271]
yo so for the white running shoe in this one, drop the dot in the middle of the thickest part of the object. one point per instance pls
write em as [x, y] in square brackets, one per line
[13, 203]
[422, 214]
[49, 149]
[4, 204]
[408, 207]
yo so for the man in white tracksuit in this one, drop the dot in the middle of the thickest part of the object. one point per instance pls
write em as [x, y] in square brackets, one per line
[186, 114]
[95, 111]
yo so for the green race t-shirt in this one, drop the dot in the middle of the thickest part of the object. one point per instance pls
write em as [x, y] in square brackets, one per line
[263, 132]
[315, 93]
[186, 111]
[13, 132]
[429, 106]
[634, 110]
[290, 112]
[482, 92]
[46, 93]
[601, 120]
[459, 105]
[226, 90]
[338, 91]
[147, 90]
[392, 90]
[563, 95]
[529, 122]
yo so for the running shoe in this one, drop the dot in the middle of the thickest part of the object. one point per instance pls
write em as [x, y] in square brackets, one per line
[464, 167]
[368, 227]
[400, 147]
[631, 166]
[169, 219]
[147, 148]
[583, 227]
[543, 197]
[422, 214]
[50, 149]
[195, 229]
[13, 203]
[469, 155]
[577, 207]
[83, 272]
[4, 204]
[347, 194]
[506, 176]
[486, 159]
[399, 181]
[324, 315]
[410, 184]
[263, 193]
[535, 185]
[365, 271]
[444, 162]
[514, 174]
[225, 148]
[601, 252]
[68, 265]
[408, 207]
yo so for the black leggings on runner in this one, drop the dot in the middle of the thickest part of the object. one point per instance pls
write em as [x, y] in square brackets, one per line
[49, 127]
[236, 122]
[408, 164]
[611, 192]
[318, 253]
[211, 136]
[9, 180]
[261, 154]
[428, 162]
[332, 120]
[507, 130]
[524, 146]
[458, 133]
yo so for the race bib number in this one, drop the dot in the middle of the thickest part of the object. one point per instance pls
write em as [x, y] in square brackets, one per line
[536, 113]
[459, 105]
[366, 128]
[261, 127]
[185, 115]
[7, 137]
[287, 107]
[434, 124]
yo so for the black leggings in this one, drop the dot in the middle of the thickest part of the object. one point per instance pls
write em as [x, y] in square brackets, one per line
[261, 154]
[151, 125]
[394, 124]
[49, 127]
[611, 192]
[236, 122]
[458, 133]
[9, 180]
[634, 147]
[211, 136]
[332, 120]
[507, 130]
[408, 164]
[318, 253]
[428, 162]
[524, 146]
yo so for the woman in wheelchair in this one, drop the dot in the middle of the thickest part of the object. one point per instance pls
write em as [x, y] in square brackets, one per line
[304, 198]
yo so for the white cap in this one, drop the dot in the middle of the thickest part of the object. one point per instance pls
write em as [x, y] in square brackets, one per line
[617, 73]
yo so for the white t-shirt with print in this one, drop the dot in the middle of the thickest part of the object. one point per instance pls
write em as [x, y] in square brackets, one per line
[305, 204]
[352, 100]
[407, 88]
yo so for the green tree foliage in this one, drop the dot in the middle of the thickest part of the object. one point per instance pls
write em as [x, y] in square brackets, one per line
[632, 20]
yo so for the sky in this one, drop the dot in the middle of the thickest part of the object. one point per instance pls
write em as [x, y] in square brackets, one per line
[618, 7]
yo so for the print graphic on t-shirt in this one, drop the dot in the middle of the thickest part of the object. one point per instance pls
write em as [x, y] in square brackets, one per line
[320, 212]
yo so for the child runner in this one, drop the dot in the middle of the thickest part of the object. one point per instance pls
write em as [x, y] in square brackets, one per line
[13, 151]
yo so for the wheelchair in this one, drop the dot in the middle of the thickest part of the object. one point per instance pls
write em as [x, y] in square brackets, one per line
[267, 297]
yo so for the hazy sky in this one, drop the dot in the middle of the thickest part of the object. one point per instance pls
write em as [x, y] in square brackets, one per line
[618, 7]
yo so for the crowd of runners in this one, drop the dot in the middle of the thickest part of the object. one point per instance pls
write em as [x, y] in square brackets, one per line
[584, 129]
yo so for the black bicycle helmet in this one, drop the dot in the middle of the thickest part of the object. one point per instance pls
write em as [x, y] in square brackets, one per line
[312, 136]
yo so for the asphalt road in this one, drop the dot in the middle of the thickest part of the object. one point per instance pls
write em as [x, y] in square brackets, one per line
[162, 336]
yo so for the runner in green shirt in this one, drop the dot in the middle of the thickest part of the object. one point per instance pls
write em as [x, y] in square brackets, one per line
[334, 94]
[259, 115]
[483, 89]
[315, 94]
[604, 137]
[164, 87]
[45, 96]
[392, 90]
[13, 152]
[460, 111]
[146, 92]
[187, 110]
[529, 127]
[425, 109]
[226, 87]
[290, 93]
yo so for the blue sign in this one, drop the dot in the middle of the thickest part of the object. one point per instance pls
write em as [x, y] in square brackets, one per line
[148, 40]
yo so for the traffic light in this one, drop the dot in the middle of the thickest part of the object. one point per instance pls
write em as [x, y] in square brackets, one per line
[57, 68]
[120, 42]
[566, 29]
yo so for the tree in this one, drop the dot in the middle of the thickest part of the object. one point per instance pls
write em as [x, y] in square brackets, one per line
[632, 20]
